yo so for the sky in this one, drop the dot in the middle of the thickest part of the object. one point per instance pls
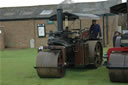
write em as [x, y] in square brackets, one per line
[14, 3]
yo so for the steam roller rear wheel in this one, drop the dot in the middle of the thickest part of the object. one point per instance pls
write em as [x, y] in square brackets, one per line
[95, 53]
[98, 55]
[49, 64]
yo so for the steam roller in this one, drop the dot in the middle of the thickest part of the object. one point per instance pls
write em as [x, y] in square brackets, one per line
[117, 62]
[68, 48]
[52, 60]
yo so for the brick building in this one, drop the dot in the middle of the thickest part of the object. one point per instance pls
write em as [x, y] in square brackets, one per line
[20, 23]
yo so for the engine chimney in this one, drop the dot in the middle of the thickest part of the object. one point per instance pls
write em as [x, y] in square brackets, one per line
[60, 19]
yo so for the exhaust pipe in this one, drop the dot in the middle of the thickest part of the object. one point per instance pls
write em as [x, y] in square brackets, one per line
[60, 19]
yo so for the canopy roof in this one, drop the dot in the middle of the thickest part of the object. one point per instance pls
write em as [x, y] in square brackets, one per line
[74, 16]
[120, 8]
[87, 16]
[65, 14]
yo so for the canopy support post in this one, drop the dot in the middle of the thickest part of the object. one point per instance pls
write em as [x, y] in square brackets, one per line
[127, 14]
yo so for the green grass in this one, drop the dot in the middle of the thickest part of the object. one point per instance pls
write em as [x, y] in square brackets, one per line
[16, 68]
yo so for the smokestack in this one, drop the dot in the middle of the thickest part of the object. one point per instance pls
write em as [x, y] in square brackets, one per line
[60, 19]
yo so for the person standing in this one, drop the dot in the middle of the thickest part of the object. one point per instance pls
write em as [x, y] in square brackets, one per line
[95, 30]
[116, 34]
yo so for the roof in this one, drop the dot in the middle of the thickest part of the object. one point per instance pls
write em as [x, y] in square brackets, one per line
[45, 11]
[33, 12]
[120, 8]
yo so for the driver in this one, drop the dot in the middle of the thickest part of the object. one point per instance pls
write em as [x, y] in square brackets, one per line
[67, 29]
[95, 30]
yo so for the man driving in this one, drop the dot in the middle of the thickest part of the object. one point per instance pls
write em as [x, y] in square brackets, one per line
[95, 30]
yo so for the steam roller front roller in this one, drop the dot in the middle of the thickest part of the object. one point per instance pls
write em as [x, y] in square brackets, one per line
[49, 64]
[118, 67]
[95, 53]
[118, 75]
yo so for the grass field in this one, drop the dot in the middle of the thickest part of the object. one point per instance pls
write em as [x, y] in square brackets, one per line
[16, 68]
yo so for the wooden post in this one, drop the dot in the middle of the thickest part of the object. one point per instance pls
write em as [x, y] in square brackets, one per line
[103, 32]
[2, 45]
[107, 30]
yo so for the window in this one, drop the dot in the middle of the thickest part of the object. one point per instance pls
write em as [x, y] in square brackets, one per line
[46, 12]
